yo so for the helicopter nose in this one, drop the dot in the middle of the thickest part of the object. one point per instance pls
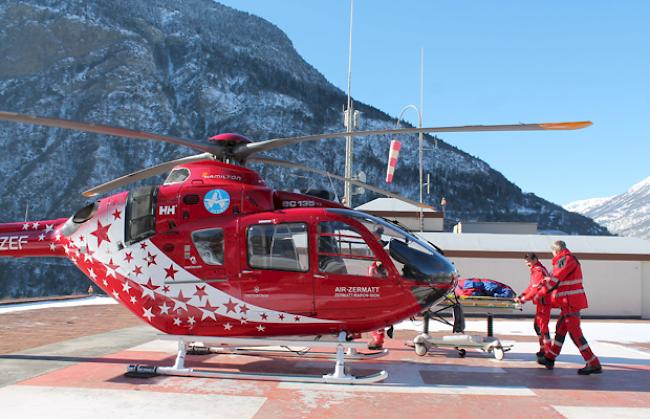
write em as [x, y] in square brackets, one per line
[434, 283]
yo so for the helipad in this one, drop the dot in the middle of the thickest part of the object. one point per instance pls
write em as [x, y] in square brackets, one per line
[70, 362]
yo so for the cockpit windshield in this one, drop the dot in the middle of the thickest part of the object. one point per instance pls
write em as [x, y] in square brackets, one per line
[386, 231]
[412, 257]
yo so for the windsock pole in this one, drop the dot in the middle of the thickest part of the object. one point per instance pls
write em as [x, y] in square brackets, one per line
[393, 154]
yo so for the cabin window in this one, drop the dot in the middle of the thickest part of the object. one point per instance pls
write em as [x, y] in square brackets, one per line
[281, 247]
[209, 244]
[177, 176]
[342, 250]
[140, 214]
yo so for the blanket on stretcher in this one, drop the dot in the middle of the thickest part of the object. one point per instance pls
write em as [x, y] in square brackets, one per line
[483, 287]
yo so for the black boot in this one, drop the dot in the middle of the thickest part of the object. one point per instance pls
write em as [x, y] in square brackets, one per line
[589, 369]
[540, 353]
[548, 363]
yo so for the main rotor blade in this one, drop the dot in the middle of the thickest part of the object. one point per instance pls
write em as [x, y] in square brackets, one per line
[143, 174]
[246, 150]
[355, 182]
[102, 129]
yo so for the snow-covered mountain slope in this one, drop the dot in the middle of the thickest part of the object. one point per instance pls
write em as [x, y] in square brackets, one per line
[627, 214]
[584, 205]
[192, 69]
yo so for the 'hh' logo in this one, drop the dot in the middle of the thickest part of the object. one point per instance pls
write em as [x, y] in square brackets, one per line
[167, 210]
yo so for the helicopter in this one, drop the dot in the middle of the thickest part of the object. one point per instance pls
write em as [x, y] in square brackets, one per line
[215, 255]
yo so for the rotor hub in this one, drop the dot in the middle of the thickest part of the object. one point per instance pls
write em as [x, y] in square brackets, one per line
[228, 139]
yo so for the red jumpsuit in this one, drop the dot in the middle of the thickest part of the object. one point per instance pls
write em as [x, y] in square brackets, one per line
[569, 295]
[543, 311]
[377, 270]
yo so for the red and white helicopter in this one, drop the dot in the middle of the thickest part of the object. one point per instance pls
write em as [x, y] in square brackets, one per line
[214, 255]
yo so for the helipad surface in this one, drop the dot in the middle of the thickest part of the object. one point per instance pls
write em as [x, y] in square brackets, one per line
[67, 372]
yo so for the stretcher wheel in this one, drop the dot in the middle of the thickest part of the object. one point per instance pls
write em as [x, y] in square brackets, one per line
[498, 353]
[421, 349]
[462, 353]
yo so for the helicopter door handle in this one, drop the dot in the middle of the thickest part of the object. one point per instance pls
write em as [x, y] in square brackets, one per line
[320, 276]
[249, 274]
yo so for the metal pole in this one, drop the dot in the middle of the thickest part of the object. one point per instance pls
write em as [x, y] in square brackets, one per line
[349, 121]
[421, 136]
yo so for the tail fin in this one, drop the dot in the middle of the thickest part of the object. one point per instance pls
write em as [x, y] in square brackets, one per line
[31, 239]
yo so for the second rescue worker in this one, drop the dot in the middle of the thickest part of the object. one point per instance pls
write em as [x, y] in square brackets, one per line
[567, 293]
[543, 310]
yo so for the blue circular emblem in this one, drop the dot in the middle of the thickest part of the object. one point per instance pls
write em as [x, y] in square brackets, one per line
[216, 201]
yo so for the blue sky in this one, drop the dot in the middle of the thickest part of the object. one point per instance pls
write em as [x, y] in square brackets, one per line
[492, 63]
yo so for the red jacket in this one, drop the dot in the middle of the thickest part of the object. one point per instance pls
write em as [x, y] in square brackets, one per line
[566, 282]
[537, 274]
[377, 270]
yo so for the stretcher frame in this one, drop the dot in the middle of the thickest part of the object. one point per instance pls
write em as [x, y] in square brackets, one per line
[488, 306]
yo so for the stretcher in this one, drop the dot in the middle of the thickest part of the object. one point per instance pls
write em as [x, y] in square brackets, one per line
[459, 305]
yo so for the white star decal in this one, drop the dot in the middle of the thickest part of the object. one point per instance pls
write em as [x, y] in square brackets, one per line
[35, 225]
[191, 321]
[57, 237]
[105, 282]
[133, 299]
[148, 314]
[179, 305]
[164, 309]
[26, 226]
[261, 328]
[146, 292]
[49, 228]
[207, 313]
[66, 249]
[110, 271]
[41, 237]
[227, 326]
[88, 257]
[177, 321]
[116, 295]
[52, 247]
[243, 320]
[92, 273]
[126, 287]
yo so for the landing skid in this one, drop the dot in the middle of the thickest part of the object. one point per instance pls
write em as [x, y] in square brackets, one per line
[338, 376]
[285, 351]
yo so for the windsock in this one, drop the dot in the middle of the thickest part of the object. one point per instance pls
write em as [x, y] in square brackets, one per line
[395, 145]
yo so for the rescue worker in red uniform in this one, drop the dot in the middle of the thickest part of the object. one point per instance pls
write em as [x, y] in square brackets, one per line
[543, 310]
[377, 270]
[567, 293]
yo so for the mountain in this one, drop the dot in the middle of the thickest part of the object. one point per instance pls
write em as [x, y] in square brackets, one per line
[192, 69]
[627, 214]
[584, 205]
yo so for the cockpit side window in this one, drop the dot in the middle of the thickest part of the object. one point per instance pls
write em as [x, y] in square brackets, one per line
[209, 243]
[177, 176]
[282, 247]
[342, 250]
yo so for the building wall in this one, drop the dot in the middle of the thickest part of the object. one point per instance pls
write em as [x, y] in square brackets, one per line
[495, 227]
[645, 290]
[614, 288]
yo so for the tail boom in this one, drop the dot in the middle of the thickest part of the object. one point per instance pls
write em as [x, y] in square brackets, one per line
[32, 239]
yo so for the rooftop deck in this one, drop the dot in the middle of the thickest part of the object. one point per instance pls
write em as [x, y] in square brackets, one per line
[69, 361]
